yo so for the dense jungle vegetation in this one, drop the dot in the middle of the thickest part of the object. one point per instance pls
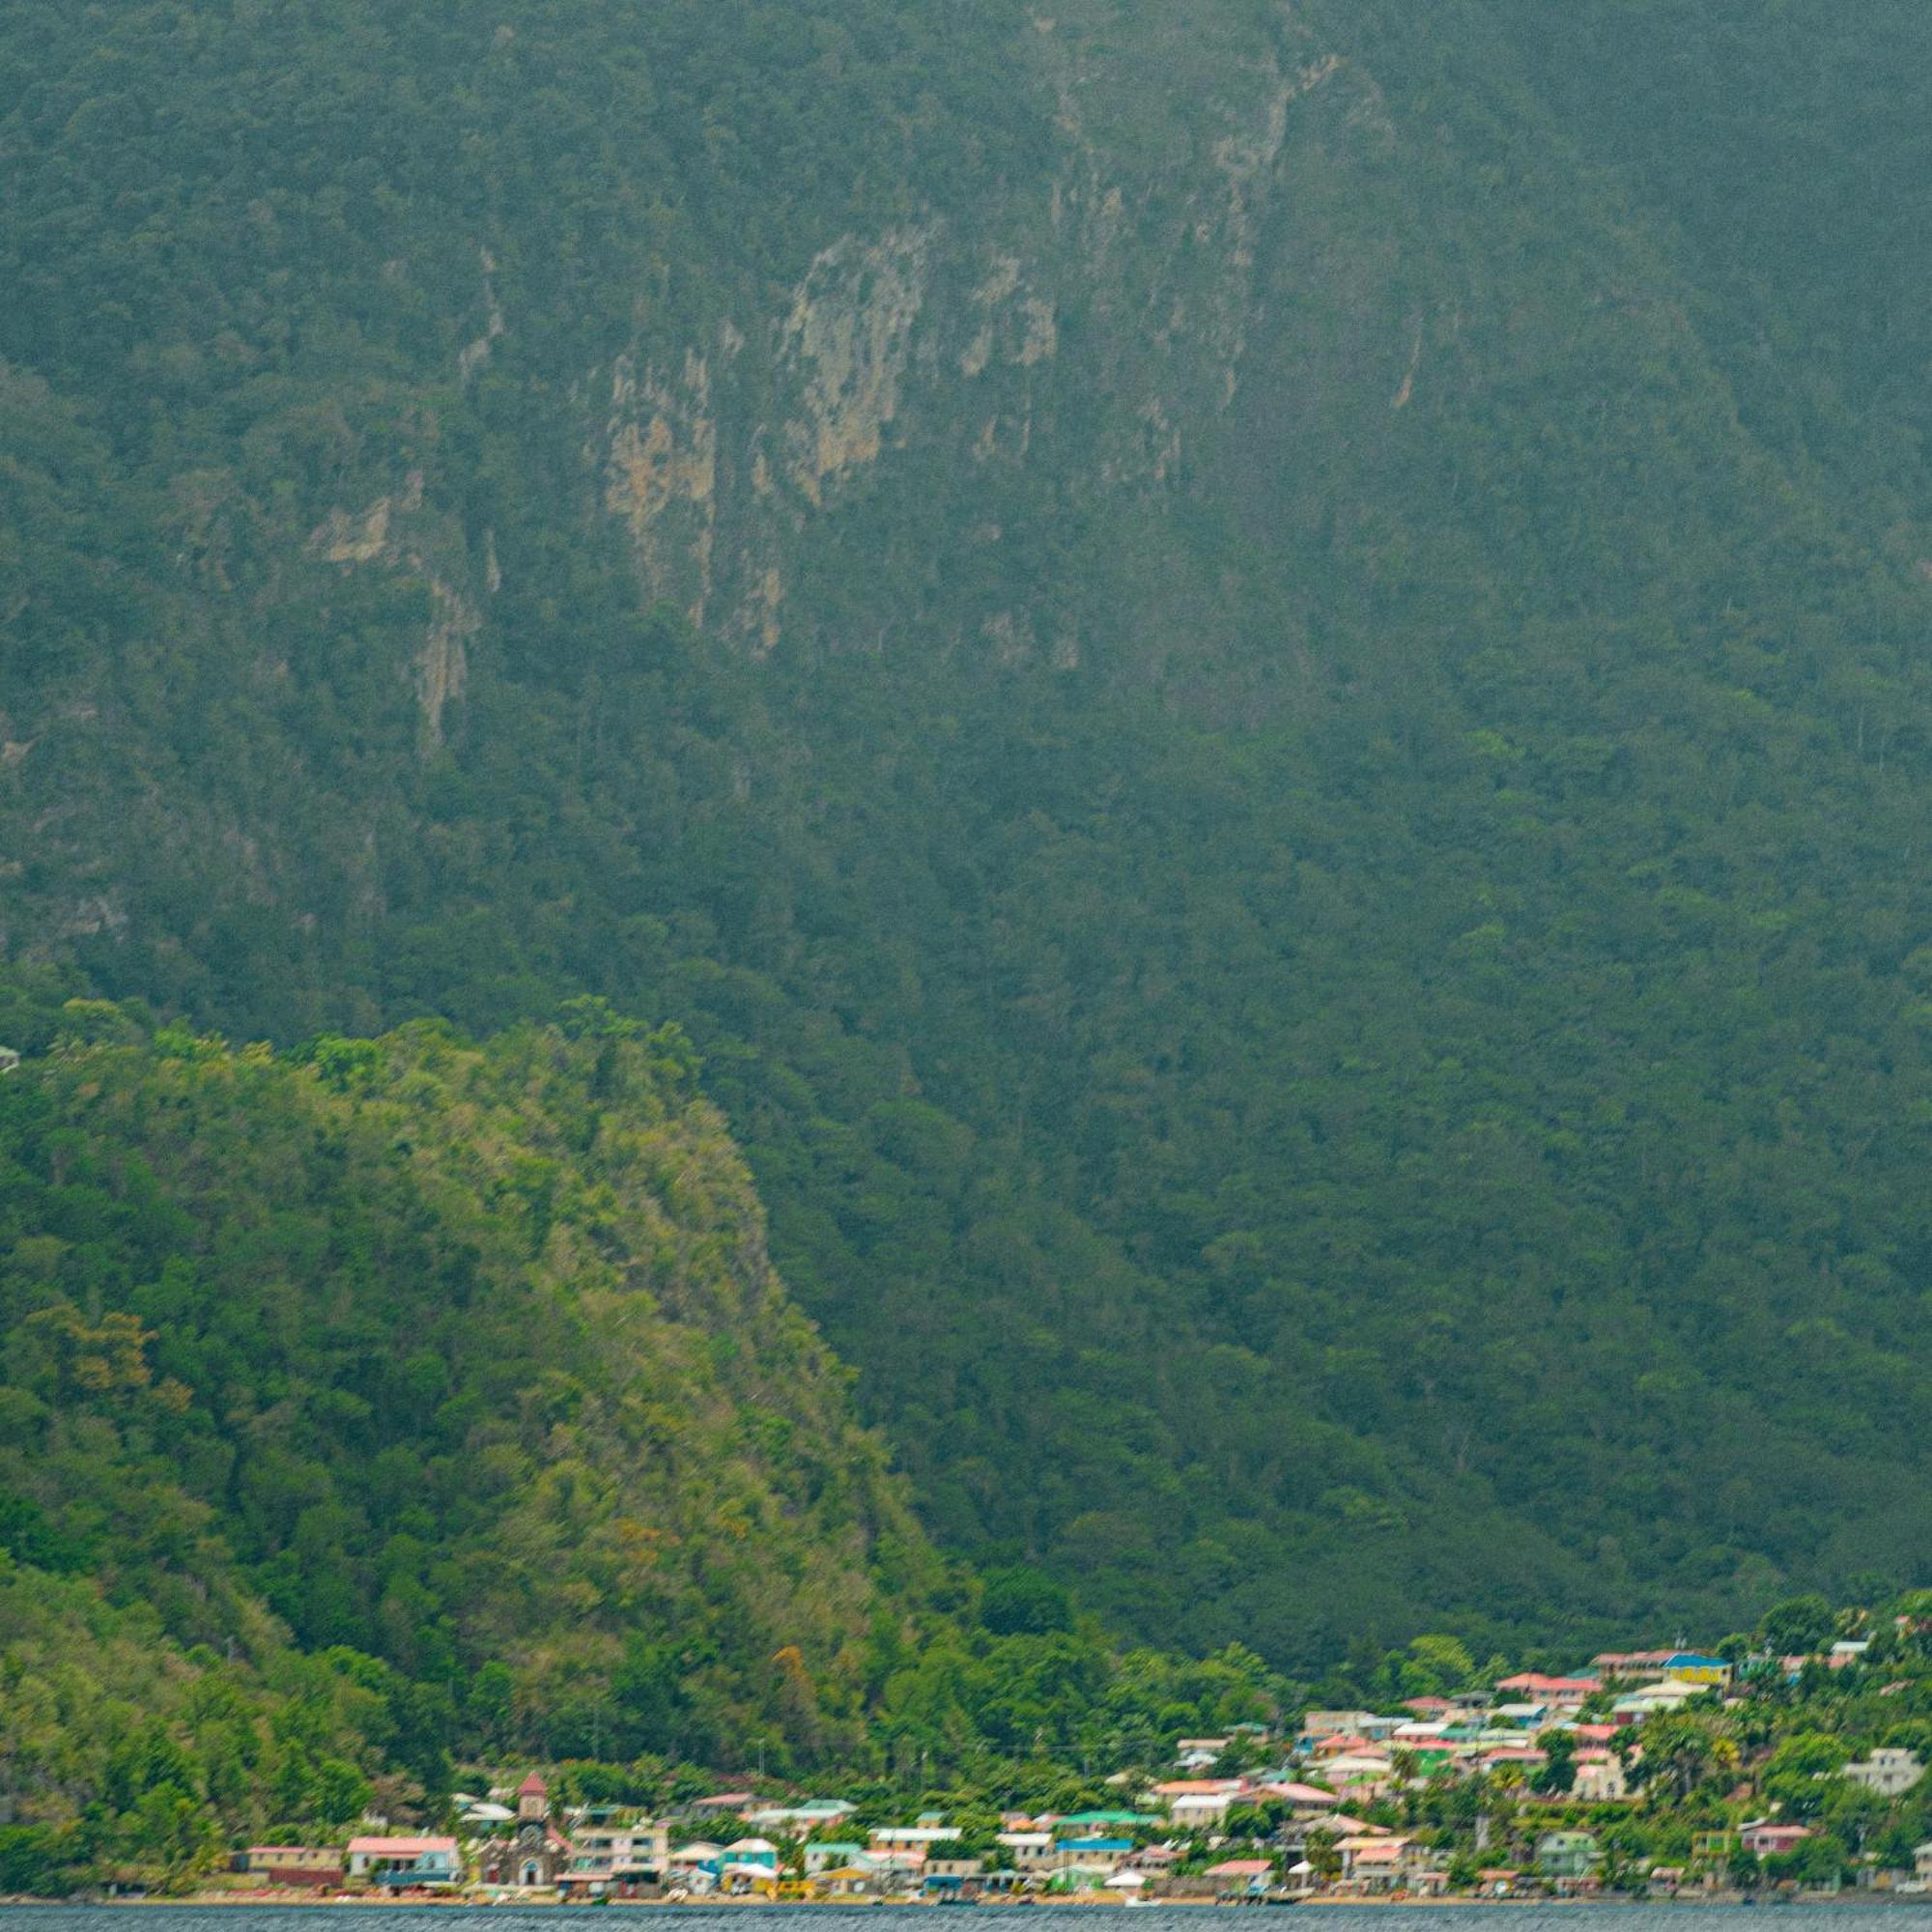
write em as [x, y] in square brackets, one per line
[401, 1399]
[1252, 675]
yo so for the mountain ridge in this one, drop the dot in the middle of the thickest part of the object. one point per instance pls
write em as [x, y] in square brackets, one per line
[1276, 790]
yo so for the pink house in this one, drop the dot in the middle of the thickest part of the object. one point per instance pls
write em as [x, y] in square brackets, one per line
[1765, 1839]
[1550, 1690]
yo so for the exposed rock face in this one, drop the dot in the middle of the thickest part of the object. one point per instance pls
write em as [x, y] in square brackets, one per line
[941, 346]
[443, 669]
[395, 533]
[663, 478]
[847, 340]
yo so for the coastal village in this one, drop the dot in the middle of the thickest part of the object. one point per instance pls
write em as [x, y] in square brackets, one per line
[1524, 1789]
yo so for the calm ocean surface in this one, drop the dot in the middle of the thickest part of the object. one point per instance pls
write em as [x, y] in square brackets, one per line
[1894, 1916]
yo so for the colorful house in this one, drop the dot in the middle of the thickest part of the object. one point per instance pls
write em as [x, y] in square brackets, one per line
[405, 1861]
[1567, 1854]
[1767, 1839]
[310, 1867]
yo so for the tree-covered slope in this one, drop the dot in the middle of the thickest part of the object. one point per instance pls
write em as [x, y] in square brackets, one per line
[457, 1356]
[1280, 781]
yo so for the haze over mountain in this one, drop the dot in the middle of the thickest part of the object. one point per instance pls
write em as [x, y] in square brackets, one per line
[1253, 673]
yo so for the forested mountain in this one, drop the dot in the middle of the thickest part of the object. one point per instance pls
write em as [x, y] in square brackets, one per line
[403, 1398]
[453, 1356]
[1253, 672]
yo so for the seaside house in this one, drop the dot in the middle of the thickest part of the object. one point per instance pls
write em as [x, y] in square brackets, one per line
[825, 1858]
[1030, 1851]
[1567, 1854]
[1239, 1875]
[402, 1861]
[1385, 1862]
[309, 1867]
[615, 1859]
[1766, 1838]
[857, 1880]
[1099, 1855]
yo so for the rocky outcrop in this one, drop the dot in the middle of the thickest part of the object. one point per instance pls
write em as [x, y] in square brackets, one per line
[661, 477]
[395, 533]
[847, 343]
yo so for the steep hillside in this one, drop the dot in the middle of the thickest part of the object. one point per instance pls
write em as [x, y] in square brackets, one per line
[1280, 784]
[456, 1356]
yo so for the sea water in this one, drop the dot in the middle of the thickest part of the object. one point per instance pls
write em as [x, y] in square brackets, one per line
[1904, 1915]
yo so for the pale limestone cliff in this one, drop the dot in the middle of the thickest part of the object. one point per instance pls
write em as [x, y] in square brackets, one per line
[394, 533]
[661, 477]
[849, 338]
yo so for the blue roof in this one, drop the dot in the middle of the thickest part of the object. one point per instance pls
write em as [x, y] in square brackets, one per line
[1097, 1844]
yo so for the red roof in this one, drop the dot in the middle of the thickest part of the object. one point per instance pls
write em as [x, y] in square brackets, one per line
[532, 1787]
[1550, 1687]
[1378, 1851]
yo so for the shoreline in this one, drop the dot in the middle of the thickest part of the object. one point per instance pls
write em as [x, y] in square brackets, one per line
[231, 1900]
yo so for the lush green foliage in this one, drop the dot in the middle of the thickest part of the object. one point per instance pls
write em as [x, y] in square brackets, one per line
[1310, 920]
[403, 1397]
[450, 1356]
[129, 1756]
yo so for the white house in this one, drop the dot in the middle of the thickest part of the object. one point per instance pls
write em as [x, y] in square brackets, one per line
[1193, 1811]
[599, 1851]
[1599, 1778]
[911, 1838]
[800, 1820]
[1029, 1850]
[1887, 1772]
